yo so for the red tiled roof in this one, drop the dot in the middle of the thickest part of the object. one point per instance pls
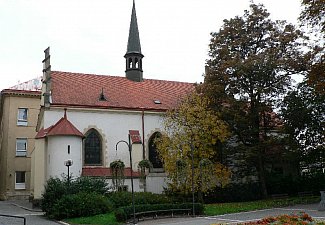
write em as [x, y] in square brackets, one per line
[62, 127]
[105, 172]
[42, 132]
[83, 90]
[135, 136]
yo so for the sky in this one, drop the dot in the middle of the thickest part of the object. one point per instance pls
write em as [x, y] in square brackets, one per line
[90, 36]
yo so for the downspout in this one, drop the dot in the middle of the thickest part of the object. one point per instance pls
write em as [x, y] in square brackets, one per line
[143, 147]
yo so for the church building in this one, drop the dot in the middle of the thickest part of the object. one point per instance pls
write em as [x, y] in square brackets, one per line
[83, 118]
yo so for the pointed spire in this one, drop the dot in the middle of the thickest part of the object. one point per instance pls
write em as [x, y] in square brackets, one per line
[133, 54]
[134, 45]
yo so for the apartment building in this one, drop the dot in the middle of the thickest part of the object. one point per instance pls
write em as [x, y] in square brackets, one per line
[18, 118]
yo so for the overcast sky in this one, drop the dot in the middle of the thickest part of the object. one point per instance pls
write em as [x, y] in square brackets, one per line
[90, 36]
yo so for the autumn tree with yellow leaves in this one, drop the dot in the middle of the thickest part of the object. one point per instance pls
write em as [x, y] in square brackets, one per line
[192, 129]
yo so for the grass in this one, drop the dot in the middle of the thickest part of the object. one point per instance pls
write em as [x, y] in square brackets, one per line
[224, 208]
[210, 210]
[103, 219]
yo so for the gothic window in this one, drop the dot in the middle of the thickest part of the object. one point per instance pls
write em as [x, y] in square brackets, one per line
[92, 148]
[153, 153]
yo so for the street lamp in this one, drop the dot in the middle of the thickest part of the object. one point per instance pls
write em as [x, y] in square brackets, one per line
[130, 151]
[68, 163]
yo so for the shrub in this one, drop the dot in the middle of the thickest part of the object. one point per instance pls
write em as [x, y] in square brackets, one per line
[124, 213]
[277, 183]
[233, 193]
[125, 198]
[89, 184]
[120, 215]
[81, 204]
[56, 189]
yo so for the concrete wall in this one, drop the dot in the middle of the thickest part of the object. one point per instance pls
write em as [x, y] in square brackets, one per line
[57, 154]
[156, 182]
[39, 169]
[10, 163]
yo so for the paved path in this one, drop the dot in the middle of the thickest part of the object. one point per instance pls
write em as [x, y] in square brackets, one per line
[239, 217]
[23, 209]
[35, 216]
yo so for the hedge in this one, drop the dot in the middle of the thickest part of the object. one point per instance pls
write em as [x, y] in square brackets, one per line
[122, 214]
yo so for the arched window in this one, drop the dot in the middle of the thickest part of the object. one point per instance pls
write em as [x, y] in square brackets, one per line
[136, 63]
[92, 148]
[130, 63]
[153, 153]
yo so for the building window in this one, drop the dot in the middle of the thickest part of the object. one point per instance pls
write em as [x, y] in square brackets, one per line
[21, 146]
[92, 148]
[20, 180]
[22, 117]
[153, 153]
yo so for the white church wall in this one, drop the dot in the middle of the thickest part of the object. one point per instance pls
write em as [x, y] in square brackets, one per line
[115, 125]
[156, 182]
[138, 187]
[58, 154]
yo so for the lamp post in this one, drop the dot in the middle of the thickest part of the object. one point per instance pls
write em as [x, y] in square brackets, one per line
[68, 163]
[130, 151]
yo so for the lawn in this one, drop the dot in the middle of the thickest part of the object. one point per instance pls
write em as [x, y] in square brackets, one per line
[103, 219]
[224, 208]
[210, 209]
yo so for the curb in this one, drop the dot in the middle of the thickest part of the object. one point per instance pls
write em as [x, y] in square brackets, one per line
[26, 208]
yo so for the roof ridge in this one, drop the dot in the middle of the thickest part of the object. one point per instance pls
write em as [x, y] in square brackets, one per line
[124, 78]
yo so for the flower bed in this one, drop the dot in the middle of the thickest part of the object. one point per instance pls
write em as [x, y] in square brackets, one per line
[296, 219]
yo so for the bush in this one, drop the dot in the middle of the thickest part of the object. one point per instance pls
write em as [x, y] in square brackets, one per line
[124, 213]
[81, 204]
[292, 185]
[89, 184]
[140, 198]
[234, 193]
[56, 189]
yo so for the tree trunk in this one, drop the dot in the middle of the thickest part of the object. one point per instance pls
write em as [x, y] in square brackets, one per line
[261, 175]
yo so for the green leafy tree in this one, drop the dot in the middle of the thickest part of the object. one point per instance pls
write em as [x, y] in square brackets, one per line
[304, 116]
[251, 62]
[192, 128]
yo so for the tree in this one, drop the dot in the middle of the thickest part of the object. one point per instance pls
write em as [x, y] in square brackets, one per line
[313, 14]
[316, 71]
[251, 62]
[192, 128]
[303, 111]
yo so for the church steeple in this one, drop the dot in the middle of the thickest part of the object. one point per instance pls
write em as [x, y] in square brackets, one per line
[133, 54]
